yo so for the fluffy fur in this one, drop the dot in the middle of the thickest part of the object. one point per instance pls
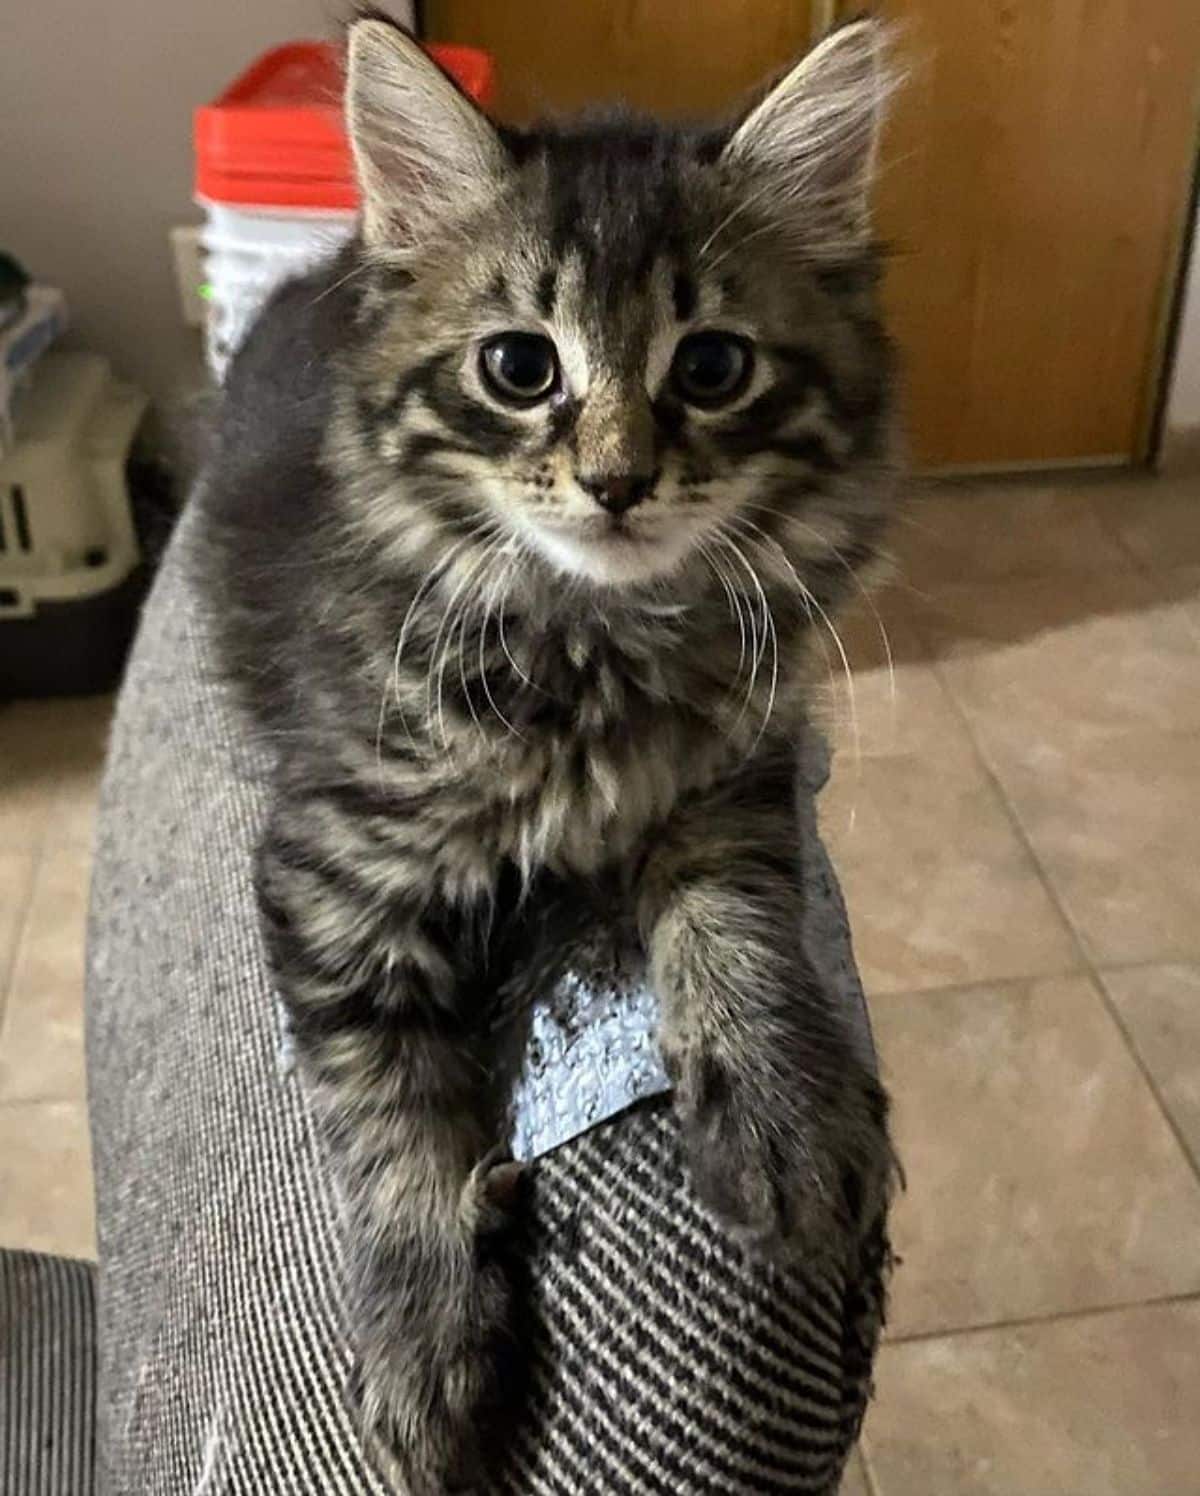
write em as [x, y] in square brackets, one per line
[491, 696]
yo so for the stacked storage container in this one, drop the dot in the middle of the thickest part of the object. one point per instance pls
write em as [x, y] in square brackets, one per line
[71, 577]
[36, 319]
[274, 176]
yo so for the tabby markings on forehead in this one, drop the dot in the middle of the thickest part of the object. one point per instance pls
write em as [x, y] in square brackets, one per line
[546, 292]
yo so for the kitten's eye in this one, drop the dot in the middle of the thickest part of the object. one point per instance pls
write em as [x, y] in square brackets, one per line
[711, 368]
[520, 367]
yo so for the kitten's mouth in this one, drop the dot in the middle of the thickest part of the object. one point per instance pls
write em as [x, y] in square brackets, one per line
[614, 550]
[617, 537]
[617, 531]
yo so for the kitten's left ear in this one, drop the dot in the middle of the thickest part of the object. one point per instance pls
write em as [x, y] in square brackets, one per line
[422, 150]
[809, 148]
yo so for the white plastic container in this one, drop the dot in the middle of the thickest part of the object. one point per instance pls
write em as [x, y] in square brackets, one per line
[248, 252]
[275, 177]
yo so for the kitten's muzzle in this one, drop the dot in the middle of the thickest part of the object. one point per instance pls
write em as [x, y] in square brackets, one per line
[618, 492]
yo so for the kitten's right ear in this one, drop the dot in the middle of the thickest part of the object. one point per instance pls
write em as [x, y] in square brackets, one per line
[422, 149]
[807, 151]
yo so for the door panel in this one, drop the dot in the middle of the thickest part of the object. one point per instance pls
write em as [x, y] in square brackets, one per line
[676, 57]
[1036, 173]
[1035, 177]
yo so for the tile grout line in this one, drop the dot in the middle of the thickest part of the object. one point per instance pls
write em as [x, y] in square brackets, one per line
[1049, 974]
[1093, 970]
[980, 984]
[1142, 964]
[1010, 815]
[1089, 966]
[1054, 1316]
[1131, 1044]
[11, 966]
[1141, 564]
[15, 1103]
[52, 1097]
[870, 1479]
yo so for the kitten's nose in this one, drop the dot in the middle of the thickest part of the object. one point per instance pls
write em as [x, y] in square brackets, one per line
[618, 492]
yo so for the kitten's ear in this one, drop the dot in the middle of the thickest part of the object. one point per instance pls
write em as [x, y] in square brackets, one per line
[809, 147]
[422, 149]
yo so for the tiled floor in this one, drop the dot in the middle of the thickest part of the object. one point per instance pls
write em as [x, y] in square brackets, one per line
[50, 757]
[1018, 831]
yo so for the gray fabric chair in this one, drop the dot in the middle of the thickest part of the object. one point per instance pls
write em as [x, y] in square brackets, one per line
[657, 1356]
[47, 1375]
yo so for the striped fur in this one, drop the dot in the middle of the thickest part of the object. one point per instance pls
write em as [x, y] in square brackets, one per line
[489, 692]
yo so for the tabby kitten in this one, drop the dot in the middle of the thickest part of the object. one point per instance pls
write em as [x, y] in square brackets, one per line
[522, 510]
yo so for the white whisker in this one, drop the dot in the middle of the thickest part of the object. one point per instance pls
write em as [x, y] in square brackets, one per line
[438, 660]
[391, 684]
[734, 602]
[852, 573]
[769, 634]
[502, 596]
[508, 654]
[812, 602]
[752, 620]
[876, 616]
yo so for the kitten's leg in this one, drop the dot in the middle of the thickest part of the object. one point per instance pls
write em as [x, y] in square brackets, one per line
[373, 979]
[784, 1121]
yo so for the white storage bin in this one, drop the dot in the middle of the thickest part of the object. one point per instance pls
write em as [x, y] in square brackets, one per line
[248, 252]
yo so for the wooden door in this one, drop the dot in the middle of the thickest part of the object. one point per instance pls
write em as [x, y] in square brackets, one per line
[1035, 179]
[675, 57]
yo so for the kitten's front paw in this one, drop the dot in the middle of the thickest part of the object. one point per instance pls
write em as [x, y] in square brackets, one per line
[428, 1387]
[423, 1415]
[787, 1172]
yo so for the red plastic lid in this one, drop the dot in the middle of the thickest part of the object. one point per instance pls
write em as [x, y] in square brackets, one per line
[275, 136]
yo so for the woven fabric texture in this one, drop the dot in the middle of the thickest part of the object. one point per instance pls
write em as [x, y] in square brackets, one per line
[47, 1375]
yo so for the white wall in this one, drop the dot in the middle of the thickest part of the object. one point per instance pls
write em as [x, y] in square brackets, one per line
[96, 105]
[1183, 407]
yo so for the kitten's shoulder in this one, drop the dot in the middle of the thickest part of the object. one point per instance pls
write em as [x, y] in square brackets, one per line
[279, 380]
[263, 494]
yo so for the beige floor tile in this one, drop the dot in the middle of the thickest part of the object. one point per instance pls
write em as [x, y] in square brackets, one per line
[16, 884]
[1101, 1405]
[1160, 1007]
[51, 754]
[940, 889]
[894, 703]
[1184, 585]
[26, 793]
[46, 1201]
[1157, 520]
[1114, 825]
[854, 1481]
[41, 1037]
[1052, 660]
[982, 532]
[1042, 1176]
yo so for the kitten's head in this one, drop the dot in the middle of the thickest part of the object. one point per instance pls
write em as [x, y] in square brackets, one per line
[613, 340]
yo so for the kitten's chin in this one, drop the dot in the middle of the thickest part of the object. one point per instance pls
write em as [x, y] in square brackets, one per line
[615, 558]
